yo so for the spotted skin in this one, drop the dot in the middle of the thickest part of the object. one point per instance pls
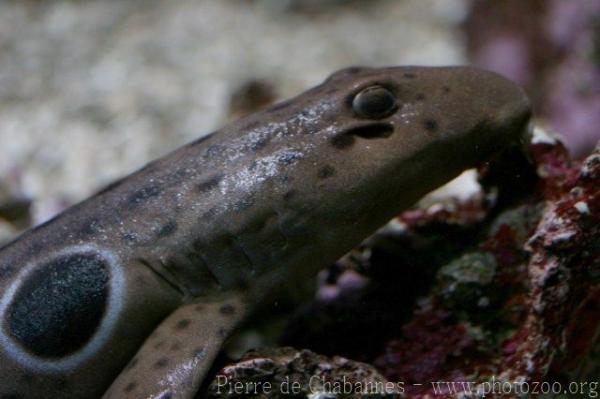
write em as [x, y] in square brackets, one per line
[293, 187]
[190, 345]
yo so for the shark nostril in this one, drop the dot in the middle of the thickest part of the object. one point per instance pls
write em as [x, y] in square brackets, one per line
[372, 131]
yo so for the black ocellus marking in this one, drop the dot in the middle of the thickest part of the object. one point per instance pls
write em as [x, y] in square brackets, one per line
[59, 306]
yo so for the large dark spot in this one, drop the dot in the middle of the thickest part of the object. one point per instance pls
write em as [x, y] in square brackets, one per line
[374, 102]
[60, 305]
[143, 194]
[209, 184]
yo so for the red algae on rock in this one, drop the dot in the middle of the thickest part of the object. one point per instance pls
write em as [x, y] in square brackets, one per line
[538, 302]
[563, 269]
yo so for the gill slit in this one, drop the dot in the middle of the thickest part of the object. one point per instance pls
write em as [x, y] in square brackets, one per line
[245, 254]
[166, 276]
[206, 266]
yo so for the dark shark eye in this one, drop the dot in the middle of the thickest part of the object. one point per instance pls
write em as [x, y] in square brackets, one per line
[374, 102]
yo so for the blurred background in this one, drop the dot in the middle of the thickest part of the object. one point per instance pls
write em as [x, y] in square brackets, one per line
[92, 90]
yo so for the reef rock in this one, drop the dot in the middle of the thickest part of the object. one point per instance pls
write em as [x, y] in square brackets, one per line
[286, 372]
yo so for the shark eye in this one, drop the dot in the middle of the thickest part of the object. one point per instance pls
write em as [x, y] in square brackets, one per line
[374, 102]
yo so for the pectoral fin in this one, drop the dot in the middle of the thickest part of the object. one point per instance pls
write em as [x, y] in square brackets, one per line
[175, 359]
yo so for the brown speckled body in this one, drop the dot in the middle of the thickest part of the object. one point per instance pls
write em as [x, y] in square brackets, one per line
[294, 186]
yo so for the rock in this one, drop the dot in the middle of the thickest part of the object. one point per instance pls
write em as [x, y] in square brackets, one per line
[285, 372]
